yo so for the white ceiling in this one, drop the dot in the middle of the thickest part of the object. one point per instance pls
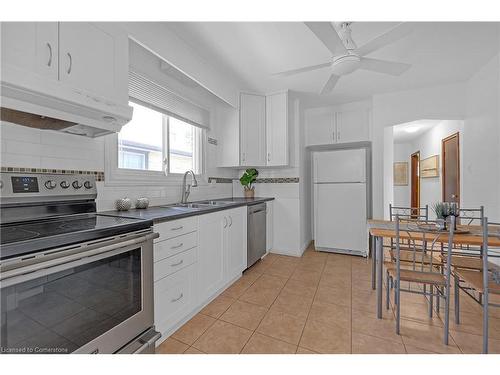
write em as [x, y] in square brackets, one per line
[440, 52]
[419, 127]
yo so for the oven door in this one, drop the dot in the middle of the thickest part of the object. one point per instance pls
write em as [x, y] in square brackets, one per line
[90, 298]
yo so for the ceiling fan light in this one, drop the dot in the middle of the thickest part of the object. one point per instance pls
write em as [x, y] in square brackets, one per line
[345, 64]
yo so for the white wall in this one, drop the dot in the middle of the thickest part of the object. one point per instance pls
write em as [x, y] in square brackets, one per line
[402, 193]
[388, 167]
[429, 144]
[481, 141]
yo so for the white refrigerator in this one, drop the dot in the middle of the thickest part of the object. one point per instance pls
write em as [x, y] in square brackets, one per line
[340, 201]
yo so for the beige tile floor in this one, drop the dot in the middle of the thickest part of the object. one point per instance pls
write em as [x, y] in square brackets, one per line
[321, 303]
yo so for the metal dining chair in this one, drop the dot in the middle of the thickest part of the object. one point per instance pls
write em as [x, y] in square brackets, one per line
[478, 283]
[424, 240]
[468, 216]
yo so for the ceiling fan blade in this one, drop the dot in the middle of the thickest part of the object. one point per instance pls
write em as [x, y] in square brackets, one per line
[325, 32]
[383, 66]
[330, 84]
[396, 33]
[304, 69]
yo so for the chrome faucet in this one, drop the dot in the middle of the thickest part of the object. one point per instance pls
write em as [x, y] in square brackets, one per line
[186, 189]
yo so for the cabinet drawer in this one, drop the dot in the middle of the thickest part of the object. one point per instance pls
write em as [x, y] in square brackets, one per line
[176, 228]
[176, 245]
[173, 264]
[174, 298]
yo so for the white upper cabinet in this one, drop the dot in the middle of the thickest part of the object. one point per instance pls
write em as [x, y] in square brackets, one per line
[252, 130]
[352, 125]
[76, 72]
[261, 137]
[337, 125]
[320, 127]
[31, 47]
[90, 58]
[277, 129]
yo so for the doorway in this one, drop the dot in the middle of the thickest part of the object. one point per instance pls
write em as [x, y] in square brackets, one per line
[450, 151]
[415, 182]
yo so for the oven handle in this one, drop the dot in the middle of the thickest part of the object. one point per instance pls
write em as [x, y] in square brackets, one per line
[33, 271]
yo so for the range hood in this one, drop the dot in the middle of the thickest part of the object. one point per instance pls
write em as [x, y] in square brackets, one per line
[72, 112]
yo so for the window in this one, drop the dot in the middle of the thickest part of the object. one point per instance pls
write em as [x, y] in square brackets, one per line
[153, 141]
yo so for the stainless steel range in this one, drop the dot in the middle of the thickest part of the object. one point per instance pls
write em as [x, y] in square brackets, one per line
[71, 280]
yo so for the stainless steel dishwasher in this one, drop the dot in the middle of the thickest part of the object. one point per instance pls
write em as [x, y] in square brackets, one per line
[256, 245]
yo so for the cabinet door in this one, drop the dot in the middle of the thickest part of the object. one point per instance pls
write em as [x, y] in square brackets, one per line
[229, 136]
[91, 57]
[30, 47]
[352, 126]
[252, 130]
[211, 231]
[235, 247]
[320, 128]
[269, 226]
[277, 129]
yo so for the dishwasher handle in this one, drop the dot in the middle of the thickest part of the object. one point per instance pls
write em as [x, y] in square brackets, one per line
[261, 207]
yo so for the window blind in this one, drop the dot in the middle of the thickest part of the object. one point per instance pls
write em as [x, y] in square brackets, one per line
[161, 99]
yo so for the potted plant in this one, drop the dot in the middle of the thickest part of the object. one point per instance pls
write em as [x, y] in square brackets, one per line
[443, 210]
[247, 180]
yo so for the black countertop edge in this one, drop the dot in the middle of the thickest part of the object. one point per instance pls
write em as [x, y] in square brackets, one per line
[155, 214]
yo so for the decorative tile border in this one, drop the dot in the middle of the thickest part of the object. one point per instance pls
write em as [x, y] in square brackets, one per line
[270, 180]
[99, 176]
[220, 180]
[278, 180]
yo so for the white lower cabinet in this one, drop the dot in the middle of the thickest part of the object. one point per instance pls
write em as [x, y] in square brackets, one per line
[175, 297]
[190, 269]
[235, 245]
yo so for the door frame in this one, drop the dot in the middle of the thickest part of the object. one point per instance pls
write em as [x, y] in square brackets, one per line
[415, 154]
[443, 179]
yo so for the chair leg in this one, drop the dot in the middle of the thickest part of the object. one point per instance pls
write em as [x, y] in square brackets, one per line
[398, 306]
[438, 299]
[431, 301]
[387, 292]
[446, 314]
[485, 326]
[457, 300]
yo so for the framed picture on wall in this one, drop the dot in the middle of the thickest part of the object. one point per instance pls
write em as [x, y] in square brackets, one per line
[429, 167]
[401, 173]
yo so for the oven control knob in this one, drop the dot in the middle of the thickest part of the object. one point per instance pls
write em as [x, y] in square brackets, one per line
[76, 184]
[49, 184]
[88, 185]
[64, 184]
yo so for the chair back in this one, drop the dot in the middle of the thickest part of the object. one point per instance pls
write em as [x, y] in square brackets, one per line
[490, 254]
[468, 216]
[420, 242]
[410, 213]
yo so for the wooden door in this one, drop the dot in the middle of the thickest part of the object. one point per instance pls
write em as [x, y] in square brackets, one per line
[415, 180]
[450, 152]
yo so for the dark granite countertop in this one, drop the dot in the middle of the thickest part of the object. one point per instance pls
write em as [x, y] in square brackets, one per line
[170, 212]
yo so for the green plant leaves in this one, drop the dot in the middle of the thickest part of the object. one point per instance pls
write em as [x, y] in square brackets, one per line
[249, 177]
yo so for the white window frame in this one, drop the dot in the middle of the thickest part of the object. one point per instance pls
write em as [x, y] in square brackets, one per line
[122, 176]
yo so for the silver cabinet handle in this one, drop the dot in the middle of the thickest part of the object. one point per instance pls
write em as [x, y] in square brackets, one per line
[177, 246]
[230, 220]
[178, 228]
[225, 222]
[334, 136]
[268, 156]
[178, 298]
[70, 63]
[49, 63]
[338, 135]
[177, 264]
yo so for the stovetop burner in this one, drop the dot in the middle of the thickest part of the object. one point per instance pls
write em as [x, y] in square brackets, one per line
[13, 234]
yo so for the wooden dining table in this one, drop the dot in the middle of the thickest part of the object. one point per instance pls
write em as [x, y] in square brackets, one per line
[380, 229]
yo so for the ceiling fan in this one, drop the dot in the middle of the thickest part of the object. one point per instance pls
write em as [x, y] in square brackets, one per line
[347, 57]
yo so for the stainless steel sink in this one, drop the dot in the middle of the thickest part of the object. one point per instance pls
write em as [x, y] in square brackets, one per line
[214, 203]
